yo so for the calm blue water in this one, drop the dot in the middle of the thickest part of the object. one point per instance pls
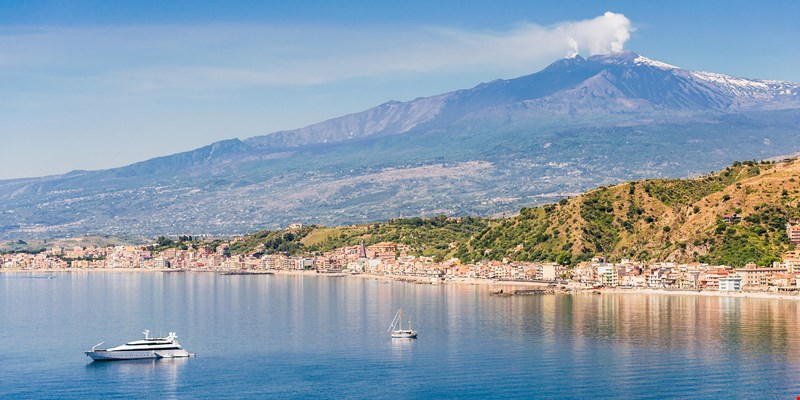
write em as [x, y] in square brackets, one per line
[285, 336]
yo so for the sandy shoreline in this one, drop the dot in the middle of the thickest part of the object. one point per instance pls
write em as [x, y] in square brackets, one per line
[707, 293]
[492, 285]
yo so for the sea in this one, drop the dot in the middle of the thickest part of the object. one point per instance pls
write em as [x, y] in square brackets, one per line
[306, 336]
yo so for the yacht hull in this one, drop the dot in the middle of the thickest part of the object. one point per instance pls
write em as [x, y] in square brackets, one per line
[102, 355]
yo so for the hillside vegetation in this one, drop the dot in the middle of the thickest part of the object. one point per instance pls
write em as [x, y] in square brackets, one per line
[436, 237]
[677, 220]
[667, 219]
[40, 245]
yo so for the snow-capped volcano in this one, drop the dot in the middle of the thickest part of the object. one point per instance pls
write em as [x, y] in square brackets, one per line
[622, 82]
[628, 58]
[501, 145]
[644, 83]
[740, 93]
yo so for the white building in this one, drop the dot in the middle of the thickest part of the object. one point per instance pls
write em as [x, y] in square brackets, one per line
[549, 272]
[607, 275]
[304, 263]
[730, 284]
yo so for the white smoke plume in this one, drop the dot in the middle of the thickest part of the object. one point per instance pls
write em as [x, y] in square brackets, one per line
[604, 34]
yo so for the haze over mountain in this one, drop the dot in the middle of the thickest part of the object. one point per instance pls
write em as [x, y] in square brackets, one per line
[502, 145]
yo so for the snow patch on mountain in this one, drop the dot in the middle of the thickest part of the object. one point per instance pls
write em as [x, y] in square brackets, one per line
[642, 60]
[731, 81]
[747, 90]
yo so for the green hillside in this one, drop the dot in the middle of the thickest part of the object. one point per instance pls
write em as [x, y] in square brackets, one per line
[677, 220]
[670, 220]
[437, 237]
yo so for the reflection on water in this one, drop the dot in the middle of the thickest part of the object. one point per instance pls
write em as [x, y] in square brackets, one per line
[164, 371]
[662, 321]
[292, 336]
[667, 321]
[31, 275]
[163, 366]
[401, 347]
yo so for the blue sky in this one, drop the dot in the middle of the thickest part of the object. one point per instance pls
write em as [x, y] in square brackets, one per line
[99, 84]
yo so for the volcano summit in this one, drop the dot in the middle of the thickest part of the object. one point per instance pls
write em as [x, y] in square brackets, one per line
[579, 123]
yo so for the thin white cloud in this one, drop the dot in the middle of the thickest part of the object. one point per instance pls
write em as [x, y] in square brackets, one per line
[214, 57]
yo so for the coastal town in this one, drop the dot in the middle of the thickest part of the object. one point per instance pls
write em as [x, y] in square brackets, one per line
[397, 261]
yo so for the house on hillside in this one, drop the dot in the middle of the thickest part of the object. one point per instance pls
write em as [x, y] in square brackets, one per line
[731, 218]
[793, 233]
[791, 261]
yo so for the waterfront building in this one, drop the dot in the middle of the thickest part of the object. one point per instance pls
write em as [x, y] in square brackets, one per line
[754, 276]
[546, 272]
[607, 275]
[252, 263]
[160, 262]
[387, 258]
[634, 278]
[710, 279]
[303, 263]
[783, 280]
[730, 284]
[654, 278]
[689, 279]
[585, 273]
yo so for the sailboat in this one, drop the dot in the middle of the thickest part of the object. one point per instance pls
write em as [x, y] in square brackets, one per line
[397, 327]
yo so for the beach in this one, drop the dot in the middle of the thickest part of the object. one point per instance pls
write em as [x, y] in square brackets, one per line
[492, 285]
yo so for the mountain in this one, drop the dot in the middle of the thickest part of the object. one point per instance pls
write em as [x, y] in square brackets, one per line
[497, 147]
[617, 82]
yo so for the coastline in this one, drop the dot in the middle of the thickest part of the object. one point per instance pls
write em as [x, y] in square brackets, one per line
[491, 284]
[707, 293]
[70, 270]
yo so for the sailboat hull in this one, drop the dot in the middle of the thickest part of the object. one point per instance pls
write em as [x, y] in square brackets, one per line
[404, 335]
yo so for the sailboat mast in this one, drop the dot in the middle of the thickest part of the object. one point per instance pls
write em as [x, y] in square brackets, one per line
[395, 321]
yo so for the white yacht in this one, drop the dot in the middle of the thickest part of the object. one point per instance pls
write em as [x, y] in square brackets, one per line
[397, 327]
[166, 347]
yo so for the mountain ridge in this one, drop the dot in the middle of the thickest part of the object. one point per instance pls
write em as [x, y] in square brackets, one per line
[499, 146]
[715, 91]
